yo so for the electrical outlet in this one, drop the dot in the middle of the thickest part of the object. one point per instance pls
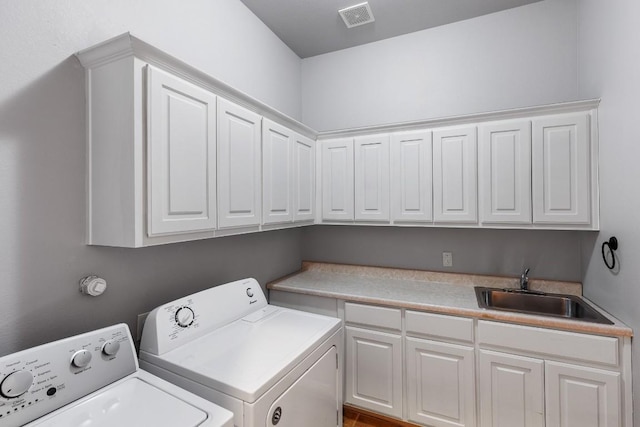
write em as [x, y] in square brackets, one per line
[141, 318]
[447, 259]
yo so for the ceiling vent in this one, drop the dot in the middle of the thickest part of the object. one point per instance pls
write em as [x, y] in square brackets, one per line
[357, 15]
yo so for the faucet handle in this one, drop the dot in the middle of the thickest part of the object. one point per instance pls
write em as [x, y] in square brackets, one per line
[525, 273]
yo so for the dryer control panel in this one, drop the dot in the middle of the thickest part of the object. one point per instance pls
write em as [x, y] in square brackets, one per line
[42, 379]
[175, 323]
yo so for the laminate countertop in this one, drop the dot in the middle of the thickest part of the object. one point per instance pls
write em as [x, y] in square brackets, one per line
[445, 293]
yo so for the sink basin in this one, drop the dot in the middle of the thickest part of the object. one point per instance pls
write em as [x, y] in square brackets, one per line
[555, 305]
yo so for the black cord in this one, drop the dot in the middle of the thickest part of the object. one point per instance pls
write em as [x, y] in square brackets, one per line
[612, 244]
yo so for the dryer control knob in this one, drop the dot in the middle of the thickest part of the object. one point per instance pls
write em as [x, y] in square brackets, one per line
[110, 348]
[16, 384]
[81, 358]
[184, 316]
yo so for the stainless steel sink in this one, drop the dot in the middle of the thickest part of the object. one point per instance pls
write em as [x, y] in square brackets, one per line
[556, 305]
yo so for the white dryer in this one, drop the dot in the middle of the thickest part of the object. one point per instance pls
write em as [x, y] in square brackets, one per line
[271, 366]
[93, 380]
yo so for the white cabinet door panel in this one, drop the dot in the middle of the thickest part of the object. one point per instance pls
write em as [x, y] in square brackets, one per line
[440, 383]
[561, 169]
[304, 179]
[374, 370]
[239, 177]
[581, 396]
[277, 173]
[511, 390]
[372, 178]
[337, 179]
[411, 177]
[455, 188]
[505, 172]
[181, 160]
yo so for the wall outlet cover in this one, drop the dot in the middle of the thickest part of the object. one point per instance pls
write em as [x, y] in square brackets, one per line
[447, 259]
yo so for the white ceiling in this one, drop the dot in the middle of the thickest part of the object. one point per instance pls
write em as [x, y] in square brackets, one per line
[313, 27]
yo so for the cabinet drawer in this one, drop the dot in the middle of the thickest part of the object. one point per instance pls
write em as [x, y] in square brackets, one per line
[382, 317]
[547, 342]
[439, 326]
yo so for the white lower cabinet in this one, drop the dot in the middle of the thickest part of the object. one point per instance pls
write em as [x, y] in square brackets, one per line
[511, 390]
[579, 396]
[460, 371]
[518, 391]
[374, 370]
[440, 383]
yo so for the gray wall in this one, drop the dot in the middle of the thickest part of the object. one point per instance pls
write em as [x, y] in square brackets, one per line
[609, 67]
[42, 161]
[549, 254]
[519, 57]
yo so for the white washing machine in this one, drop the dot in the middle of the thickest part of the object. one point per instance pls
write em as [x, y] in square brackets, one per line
[271, 366]
[93, 380]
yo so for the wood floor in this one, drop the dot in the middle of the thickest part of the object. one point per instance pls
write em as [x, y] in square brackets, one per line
[355, 417]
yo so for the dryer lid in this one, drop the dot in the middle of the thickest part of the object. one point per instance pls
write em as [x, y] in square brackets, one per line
[133, 402]
[247, 357]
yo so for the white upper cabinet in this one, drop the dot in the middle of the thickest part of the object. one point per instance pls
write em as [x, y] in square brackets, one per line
[372, 178]
[277, 173]
[561, 169]
[304, 179]
[337, 180]
[411, 177]
[169, 159]
[239, 158]
[181, 155]
[455, 191]
[505, 172]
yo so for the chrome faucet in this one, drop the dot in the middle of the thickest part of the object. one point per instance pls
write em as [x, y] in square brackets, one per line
[524, 280]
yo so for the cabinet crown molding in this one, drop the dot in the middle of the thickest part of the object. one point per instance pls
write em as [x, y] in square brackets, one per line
[127, 45]
[513, 113]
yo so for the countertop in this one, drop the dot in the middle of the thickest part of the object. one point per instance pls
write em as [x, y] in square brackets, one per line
[435, 292]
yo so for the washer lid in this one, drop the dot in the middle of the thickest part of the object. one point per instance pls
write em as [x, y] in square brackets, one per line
[133, 402]
[247, 357]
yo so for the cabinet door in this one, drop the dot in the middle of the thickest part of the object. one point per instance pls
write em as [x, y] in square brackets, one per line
[561, 169]
[511, 390]
[238, 166]
[455, 188]
[277, 173]
[411, 177]
[372, 178]
[505, 172]
[181, 155]
[440, 383]
[304, 179]
[581, 396]
[374, 370]
[337, 179]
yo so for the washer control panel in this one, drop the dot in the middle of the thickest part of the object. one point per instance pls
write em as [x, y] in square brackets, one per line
[42, 379]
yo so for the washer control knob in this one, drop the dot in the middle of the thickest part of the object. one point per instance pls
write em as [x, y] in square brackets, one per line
[81, 358]
[184, 316]
[16, 384]
[110, 348]
[250, 292]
